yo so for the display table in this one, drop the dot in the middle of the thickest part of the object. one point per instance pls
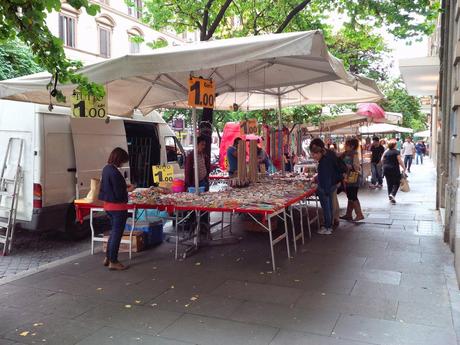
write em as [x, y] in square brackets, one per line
[183, 205]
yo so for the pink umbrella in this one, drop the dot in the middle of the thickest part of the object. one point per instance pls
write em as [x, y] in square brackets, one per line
[371, 110]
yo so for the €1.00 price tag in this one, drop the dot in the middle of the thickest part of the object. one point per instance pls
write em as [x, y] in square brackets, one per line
[201, 93]
[162, 173]
[249, 127]
[88, 106]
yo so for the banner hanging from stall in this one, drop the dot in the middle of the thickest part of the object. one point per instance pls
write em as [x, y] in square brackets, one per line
[87, 106]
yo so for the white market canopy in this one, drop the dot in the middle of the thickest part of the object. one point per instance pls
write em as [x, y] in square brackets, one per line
[423, 134]
[384, 128]
[253, 72]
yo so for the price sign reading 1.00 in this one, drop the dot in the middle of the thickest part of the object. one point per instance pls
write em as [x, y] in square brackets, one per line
[162, 173]
[201, 93]
[88, 106]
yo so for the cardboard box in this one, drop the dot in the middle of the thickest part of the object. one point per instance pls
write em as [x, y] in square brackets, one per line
[138, 242]
[153, 232]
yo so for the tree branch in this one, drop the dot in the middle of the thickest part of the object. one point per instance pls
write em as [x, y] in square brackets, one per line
[291, 15]
[218, 19]
[204, 27]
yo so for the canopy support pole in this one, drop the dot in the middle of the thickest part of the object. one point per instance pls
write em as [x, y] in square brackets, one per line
[280, 133]
[195, 152]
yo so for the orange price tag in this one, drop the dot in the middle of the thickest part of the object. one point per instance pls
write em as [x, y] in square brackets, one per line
[201, 93]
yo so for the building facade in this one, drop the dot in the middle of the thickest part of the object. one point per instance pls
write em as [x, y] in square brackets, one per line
[113, 32]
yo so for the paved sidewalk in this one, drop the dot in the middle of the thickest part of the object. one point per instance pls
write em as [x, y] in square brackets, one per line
[387, 281]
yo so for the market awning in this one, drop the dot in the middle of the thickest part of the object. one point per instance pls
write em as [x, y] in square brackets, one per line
[423, 134]
[384, 128]
[421, 75]
[253, 72]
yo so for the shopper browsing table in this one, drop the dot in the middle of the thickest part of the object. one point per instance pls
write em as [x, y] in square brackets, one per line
[391, 162]
[408, 150]
[232, 157]
[328, 177]
[376, 166]
[114, 193]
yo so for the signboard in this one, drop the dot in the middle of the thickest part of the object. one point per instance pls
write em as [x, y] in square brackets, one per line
[162, 173]
[201, 93]
[249, 127]
[88, 106]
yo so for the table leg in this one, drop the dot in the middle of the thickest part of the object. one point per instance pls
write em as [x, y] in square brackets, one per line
[286, 233]
[92, 230]
[176, 228]
[271, 243]
[294, 235]
[301, 222]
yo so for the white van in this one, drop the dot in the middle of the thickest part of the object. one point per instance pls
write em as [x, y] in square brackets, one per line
[62, 154]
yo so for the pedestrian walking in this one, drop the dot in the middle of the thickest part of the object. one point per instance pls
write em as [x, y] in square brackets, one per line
[420, 150]
[376, 165]
[408, 150]
[392, 160]
[351, 159]
[327, 178]
[114, 193]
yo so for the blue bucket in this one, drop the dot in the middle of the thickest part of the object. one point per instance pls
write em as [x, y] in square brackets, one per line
[192, 189]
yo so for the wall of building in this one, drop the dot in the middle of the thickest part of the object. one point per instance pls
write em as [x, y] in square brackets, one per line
[114, 15]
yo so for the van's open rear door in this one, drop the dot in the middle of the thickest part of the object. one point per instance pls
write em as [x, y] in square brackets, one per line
[93, 141]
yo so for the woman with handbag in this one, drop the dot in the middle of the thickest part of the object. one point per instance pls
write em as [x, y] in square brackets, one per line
[351, 159]
[392, 160]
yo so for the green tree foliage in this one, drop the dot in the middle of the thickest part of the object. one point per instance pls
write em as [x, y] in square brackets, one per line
[16, 60]
[216, 18]
[361, 50]
[398, 100]
[26, 21]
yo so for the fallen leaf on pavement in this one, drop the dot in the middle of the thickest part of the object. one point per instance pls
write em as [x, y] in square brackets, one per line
[24, 334]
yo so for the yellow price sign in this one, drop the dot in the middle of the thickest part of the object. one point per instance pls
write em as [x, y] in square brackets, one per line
[88, 106]
[201, 92]
[162, 173]
[249, 126]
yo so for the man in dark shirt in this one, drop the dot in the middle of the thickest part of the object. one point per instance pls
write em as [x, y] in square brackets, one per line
[376, 167]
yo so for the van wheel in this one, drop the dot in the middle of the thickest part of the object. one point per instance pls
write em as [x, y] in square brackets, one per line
[74, 230]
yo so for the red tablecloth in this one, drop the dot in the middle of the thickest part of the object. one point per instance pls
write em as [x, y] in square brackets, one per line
[83, 208]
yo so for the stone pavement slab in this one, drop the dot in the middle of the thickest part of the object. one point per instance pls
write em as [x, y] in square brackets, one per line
[211, 331]
[388, 280]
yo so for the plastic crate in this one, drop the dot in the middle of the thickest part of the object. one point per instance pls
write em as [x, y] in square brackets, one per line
[153, 231]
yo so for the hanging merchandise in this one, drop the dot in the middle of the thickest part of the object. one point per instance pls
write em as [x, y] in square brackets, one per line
[266, 137]
[253, 162]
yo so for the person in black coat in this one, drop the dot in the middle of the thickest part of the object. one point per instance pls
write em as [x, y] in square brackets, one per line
[114, 193]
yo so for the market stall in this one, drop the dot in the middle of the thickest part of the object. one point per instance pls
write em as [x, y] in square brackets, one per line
[273, 199]
[262, 72]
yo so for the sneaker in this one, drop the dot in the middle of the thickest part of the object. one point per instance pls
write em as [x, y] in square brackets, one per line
[325, 231]
[106, 262]
[392, 199]
[372, 186]
[379, 186]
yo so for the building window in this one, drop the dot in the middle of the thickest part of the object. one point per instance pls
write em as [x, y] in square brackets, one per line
[104, 42]
[67, 30]
[135, 38]
[136, 9]
[134, 46]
